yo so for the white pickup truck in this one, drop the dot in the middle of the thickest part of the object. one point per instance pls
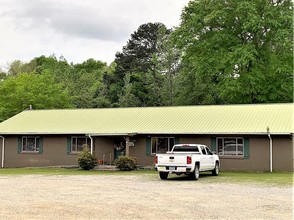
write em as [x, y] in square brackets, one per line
[189, 159]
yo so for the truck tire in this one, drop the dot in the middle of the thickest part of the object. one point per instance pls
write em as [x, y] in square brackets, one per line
[163, 175]
[195, 174]
[215, 171]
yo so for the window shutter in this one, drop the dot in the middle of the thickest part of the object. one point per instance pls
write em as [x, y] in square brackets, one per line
[246, 148]
[40, 145]
[148, 146]
[68, 147]
[213, 144]
[19, 145]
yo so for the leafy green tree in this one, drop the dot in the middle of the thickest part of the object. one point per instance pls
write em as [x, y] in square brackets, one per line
[236, 51]
[18, 67]
[2, 75]
[82, 81]
[154, 83]
[108, 91]
[87, 79]
[92, 66]
[137, 54]
[19, 92]
[127, 99]
[58, 68]
[167, 63]
[136, 59]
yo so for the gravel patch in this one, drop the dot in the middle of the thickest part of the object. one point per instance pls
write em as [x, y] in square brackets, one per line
[138, 197]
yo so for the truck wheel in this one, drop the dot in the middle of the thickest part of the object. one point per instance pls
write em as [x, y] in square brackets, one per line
[215, 171]
[163, 175]
[195, 174]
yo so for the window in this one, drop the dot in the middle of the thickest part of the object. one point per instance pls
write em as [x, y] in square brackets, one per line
[30, 144]
[208, 151]
[78, 142]
[203, 150]
[161, 144]
[185, 148]
[230, 146]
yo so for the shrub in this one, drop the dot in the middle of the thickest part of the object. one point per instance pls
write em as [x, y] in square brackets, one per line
[86, 160]
[126, 163]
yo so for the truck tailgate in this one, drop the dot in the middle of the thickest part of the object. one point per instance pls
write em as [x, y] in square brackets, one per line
[172, 160]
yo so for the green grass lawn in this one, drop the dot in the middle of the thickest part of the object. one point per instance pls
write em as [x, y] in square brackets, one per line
[273, 179]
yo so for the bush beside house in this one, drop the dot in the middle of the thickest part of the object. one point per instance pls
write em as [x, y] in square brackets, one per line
[126, 163]
[86, 160]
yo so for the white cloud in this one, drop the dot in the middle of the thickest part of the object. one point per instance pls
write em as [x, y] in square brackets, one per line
[78, 29]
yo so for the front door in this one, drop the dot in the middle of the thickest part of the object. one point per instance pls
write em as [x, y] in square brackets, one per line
[119, 147]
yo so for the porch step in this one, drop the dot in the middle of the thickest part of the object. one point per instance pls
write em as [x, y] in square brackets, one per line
[106, 167]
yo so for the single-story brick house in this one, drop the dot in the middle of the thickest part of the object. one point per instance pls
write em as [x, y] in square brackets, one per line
[246, 137]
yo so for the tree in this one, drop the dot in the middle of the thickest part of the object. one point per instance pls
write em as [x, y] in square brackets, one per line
[18, 67]
[86, 81]
[236, 51]
[136, 59]
[58, 68]
[127, 99]
[167, 63]
[2, 75]
[83, 80]
[40, 91]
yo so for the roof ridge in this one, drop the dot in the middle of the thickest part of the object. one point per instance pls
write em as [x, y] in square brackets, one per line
[148, 107]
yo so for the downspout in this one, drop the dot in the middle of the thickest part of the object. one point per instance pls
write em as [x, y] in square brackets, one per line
[127, 145]
[270, 149]
[3, 151]
[91, 143]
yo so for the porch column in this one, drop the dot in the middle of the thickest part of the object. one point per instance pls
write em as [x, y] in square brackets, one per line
[127, 146]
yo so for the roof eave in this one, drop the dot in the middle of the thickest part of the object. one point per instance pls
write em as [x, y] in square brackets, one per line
[143, 133]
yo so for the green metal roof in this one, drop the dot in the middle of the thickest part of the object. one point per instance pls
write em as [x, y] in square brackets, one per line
[210, 119]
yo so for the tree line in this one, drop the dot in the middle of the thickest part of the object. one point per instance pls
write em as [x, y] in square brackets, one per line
[223, 52]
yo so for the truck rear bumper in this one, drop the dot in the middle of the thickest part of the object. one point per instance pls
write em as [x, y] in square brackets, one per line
[174, 169]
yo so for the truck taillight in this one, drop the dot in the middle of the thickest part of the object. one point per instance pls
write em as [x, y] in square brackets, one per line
[189, 159]
[155, 159]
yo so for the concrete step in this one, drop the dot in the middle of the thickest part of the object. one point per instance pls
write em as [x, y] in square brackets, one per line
[106, 167]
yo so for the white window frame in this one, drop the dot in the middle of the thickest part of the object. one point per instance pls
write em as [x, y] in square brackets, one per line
[35, 147]
[168, 147]
[237, 146]
[76, 143]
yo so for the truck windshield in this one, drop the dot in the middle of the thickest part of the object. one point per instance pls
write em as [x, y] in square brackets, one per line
[184, 148]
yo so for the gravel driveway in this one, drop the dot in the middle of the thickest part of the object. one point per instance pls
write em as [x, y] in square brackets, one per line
[138, 197]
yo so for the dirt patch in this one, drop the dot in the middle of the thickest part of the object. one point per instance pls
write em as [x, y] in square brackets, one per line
[138, 197]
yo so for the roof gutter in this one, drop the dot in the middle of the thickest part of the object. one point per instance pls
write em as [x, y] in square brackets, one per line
[146, 133]
[3, 151]
[111, 134]
[270, 149]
